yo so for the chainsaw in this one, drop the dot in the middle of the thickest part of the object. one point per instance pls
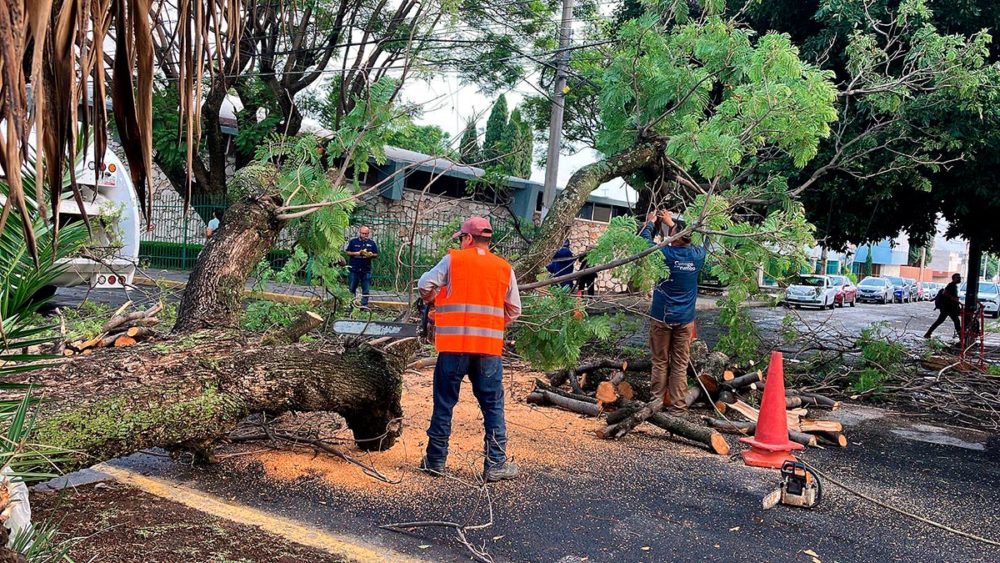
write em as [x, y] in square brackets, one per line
[389, 329]
[799, 487]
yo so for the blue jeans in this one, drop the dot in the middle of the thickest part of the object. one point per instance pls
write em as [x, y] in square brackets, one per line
[363, 278]
[486, 375]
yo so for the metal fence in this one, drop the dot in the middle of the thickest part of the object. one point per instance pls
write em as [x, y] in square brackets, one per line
[407, 248]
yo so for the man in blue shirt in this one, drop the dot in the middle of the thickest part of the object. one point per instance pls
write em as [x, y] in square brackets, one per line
[360, 251]
[562, 264]
[672, 313]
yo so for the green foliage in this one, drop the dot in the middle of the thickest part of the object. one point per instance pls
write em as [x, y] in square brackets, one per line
[993, 370]
[255, 95]
[554, 328]
[496, 125]
[303, 181]
[469, 150]
[869, 266]
[913, 255]
[741, 339]
[868, 380]
[879, 349]
[426, 139]
[262, 316]
[661, 83]
[621, 241]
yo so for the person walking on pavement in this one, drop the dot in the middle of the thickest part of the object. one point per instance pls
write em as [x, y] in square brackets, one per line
[475, 298]
[562, 264]
[672, 313]
[950, 306]
[361, 250]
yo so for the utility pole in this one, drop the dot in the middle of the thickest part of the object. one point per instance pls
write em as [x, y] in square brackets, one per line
[558, 98]
[923, 258]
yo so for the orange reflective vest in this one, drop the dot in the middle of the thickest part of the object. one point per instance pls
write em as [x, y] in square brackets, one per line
[469, 313]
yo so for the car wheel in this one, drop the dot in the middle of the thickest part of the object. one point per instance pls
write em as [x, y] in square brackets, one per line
[996, 315]
[854, 301]
[798, 306]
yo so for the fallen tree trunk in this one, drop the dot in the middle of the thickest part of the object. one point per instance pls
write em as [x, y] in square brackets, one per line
[559, 377]
[701, 434]
[614, 431]
[541, 397]
[742, 381]
[192, 391]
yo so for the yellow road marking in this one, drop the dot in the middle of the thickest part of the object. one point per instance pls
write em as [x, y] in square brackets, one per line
[346, 546]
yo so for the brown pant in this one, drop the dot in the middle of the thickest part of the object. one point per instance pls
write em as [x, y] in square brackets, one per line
[671, 345]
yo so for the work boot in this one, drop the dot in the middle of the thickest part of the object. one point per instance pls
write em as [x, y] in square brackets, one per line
[927, 336]
[432, 470]
[504, 472]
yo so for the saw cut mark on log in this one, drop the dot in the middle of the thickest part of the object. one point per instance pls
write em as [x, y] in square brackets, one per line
[794, 423]
[711, 439]
[740, 382]
[728, 375]
[123, 341]
[606, 393]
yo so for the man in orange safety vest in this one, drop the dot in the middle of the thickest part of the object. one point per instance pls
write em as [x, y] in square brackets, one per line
[475, 297]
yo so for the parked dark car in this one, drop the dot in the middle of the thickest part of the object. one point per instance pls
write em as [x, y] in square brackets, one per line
[847, 292]
[900, 289]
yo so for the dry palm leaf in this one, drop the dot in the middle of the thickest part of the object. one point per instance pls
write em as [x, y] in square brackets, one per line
[60, 45]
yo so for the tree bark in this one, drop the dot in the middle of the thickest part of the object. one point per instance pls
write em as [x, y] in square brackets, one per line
[556, 225]
[542, 397]
[250, 229]
[748, 429]
[680, 427]
[192, 391]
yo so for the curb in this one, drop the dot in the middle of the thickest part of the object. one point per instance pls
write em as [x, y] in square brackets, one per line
[351, 548]
[264, 295]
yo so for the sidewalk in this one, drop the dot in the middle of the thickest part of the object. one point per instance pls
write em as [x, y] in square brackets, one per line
[294, 293]
[272, 291]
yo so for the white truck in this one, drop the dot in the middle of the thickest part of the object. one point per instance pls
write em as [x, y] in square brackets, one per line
[110, 257]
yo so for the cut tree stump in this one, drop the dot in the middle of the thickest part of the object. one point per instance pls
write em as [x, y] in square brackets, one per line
[124, 341]
[188, 393]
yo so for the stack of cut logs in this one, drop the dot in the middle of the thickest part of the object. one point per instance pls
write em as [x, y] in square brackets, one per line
[720, 401]
[122, 329]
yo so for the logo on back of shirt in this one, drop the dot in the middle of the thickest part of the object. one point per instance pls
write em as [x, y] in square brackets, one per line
[684, 266]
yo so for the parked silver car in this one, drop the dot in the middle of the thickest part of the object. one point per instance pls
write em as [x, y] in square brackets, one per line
[989, 297]
[875, 290]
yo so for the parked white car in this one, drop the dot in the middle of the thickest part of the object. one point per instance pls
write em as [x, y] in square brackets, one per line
[876, 290]
[812, 291]
[989, 297]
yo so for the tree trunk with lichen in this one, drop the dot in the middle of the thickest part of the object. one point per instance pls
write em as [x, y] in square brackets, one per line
[248, 231]
[557, 223]
[190, 389]
[188, 392]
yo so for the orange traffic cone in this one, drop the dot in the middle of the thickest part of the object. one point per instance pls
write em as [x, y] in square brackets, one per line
[770, 446]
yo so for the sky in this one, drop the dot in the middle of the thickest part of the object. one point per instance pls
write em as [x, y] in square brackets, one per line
[449, 104]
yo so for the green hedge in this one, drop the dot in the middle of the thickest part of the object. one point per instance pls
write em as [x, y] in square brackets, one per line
[177, 256]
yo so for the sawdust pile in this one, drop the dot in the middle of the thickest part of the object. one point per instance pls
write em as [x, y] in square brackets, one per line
[539, 439]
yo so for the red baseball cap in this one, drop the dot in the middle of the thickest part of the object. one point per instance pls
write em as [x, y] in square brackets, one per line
[475, 226]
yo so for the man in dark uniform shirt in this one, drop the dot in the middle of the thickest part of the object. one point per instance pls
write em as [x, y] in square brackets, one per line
[360, 251]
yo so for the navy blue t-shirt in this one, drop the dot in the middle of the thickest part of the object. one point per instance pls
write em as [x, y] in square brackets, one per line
[674, 297]
[360, 264]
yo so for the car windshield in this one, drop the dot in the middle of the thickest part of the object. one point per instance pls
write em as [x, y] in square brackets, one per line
[872, 282]
[988, 288]
[838, 280]
[812, 281]
[896, 281]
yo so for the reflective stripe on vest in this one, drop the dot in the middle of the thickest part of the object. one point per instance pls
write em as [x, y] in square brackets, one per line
[469, 313]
